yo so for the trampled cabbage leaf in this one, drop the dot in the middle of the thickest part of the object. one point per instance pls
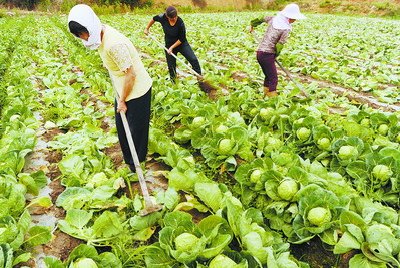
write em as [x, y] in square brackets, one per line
[210, 194]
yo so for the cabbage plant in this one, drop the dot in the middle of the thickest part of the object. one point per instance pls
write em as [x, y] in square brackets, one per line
[85, 256]
[377, 176]
[256, 239]
[184, 241]
[376, 239]
[318, 213]
[347, 150]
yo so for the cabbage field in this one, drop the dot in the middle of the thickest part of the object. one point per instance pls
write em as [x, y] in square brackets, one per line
[310, 178]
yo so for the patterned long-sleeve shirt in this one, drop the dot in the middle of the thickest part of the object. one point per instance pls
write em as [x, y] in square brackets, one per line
[272, 36]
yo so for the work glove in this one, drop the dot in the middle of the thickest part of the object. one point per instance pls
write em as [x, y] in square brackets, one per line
[279, 47]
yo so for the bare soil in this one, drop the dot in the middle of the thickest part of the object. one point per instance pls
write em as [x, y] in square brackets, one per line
[53, 156]
[314, 253]
[57, 188]
[51, 133]
[156, 181]
[104, 125]
[53, 172]
[61, 246]
[239, 76]
[115, 153]
[345, 258]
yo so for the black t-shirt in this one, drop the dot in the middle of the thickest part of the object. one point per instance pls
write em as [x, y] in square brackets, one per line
[172, 33]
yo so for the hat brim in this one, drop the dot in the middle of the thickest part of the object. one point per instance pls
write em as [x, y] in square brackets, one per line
[298, 16]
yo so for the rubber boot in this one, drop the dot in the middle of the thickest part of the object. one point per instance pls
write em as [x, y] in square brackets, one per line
[271, 94]
[266, 90]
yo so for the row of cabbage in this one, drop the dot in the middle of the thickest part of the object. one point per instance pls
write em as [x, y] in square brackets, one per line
[19, 188]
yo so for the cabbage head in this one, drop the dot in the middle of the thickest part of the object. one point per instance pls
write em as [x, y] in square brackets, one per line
[221, 129]
[222, 261]
[255, 176]
[303, 133]
[272, 144]
[253, 112]
[347, 152]
[183, 136]
[252, 241]
[287, 189]
[83, 263]
[266, 113]
[382, 172]
[383, 129]
[319, 216]
[185, 242]
[198, 122]
[365, 122]
[225, 146]
[324, 143]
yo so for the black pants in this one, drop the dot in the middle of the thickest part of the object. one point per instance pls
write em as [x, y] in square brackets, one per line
[267, 63]
[186, 50]
[138, 117]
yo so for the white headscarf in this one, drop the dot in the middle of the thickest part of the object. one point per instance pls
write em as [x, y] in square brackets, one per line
[281, 22]
[86, 17]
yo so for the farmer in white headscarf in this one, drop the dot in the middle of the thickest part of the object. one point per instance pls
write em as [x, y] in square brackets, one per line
[272, 43]
[130, 79]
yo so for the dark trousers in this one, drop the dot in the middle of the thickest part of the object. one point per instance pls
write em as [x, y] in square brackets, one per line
[138, 117]
[186, 50]
[267, 63]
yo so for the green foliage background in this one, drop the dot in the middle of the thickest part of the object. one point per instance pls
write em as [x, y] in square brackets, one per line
[387, 8]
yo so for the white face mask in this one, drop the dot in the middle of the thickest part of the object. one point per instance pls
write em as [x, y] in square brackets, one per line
[93, 42]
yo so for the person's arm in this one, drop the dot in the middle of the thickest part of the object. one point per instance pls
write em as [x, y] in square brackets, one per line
[284, 37]
[281, 42]
[147, 30]
[130, 78]
[120, 55]
[181, 37]
[177, 43]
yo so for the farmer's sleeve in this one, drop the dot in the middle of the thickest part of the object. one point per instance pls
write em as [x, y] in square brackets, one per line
[158, 17]
[284, 37]
[121, 56]
[268, 19]
[182, 33]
